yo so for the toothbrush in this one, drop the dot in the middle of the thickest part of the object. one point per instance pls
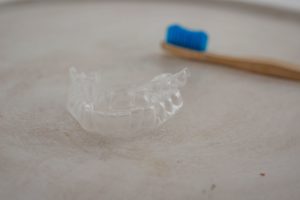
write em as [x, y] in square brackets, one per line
[191, 44]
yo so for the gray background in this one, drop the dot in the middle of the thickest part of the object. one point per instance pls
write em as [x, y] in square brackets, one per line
[233, 126]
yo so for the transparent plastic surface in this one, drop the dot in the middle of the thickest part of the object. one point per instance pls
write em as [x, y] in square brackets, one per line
[124, 110]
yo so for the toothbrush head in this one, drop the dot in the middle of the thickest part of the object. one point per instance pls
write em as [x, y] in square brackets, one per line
[191, 39]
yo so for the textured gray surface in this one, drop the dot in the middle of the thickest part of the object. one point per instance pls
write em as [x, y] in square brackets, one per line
[233, 126]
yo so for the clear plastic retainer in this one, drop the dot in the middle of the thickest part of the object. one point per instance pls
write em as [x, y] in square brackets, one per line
[125, 110]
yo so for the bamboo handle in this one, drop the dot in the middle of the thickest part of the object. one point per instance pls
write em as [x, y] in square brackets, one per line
[267, 67]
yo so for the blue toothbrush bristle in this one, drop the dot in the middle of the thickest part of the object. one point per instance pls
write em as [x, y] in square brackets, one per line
[183, 37]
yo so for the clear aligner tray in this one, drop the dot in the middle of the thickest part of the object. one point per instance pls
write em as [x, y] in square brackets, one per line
[124, 110]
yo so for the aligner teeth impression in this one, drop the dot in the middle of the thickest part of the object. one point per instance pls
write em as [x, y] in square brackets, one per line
[128, 109]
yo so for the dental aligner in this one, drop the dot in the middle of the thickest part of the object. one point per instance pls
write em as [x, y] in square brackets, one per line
[124, 110]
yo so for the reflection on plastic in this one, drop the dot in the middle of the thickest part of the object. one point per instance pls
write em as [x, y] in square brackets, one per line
[122, 111]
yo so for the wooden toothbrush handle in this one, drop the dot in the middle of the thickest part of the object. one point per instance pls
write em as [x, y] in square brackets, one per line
[261, 66]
